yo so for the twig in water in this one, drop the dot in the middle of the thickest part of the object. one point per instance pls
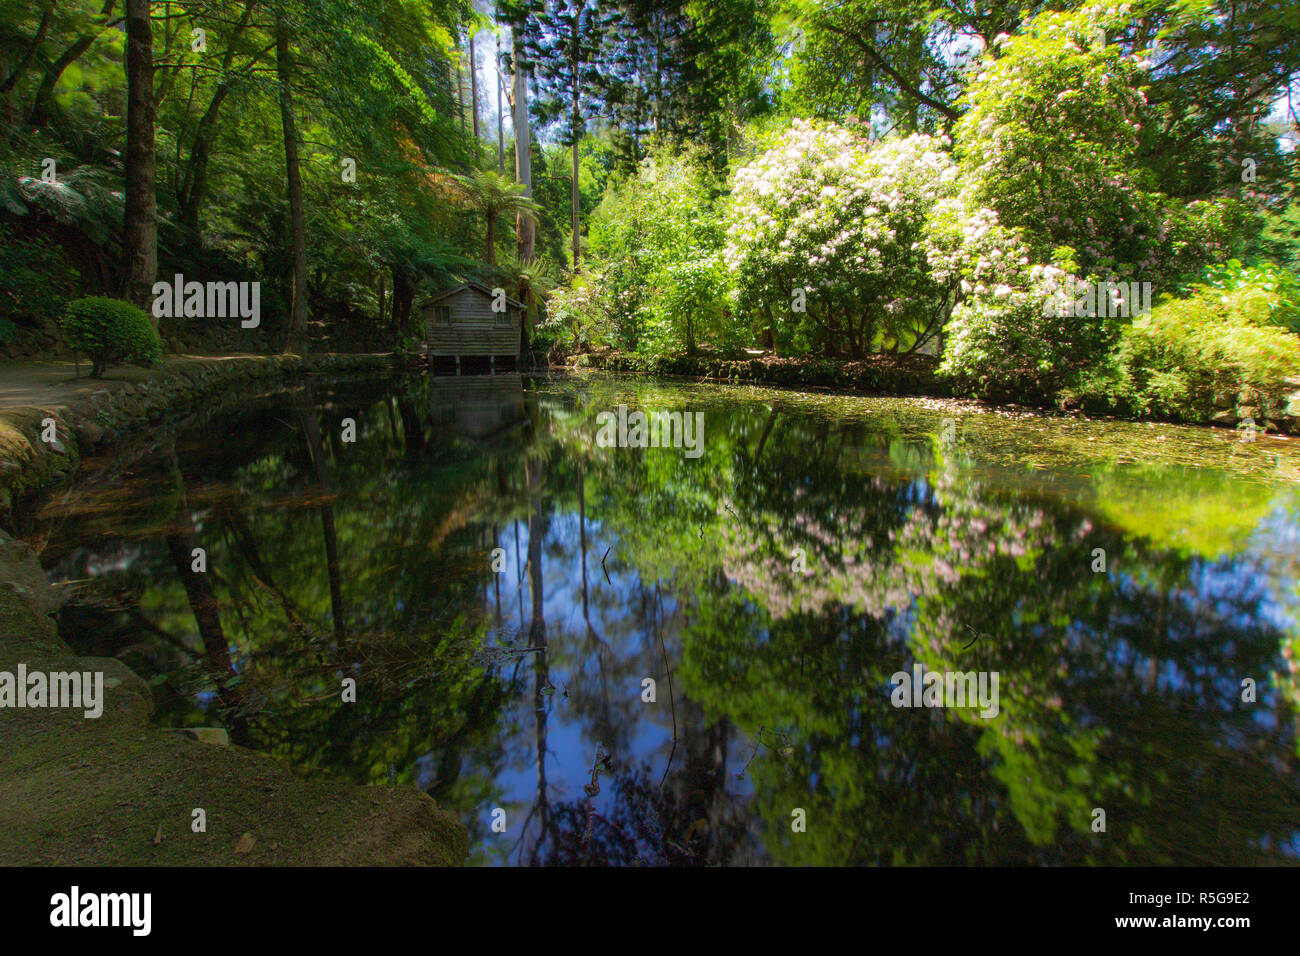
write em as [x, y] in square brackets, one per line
[974, 639]
[671, 696]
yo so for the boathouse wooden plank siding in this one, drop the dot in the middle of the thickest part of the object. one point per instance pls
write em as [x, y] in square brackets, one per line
[461, 322]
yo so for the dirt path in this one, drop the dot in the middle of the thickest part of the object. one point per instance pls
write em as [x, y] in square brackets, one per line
[52, 383]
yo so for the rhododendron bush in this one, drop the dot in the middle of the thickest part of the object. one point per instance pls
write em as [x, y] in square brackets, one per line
[1001, 333]
[823, 236]
[1052, 191]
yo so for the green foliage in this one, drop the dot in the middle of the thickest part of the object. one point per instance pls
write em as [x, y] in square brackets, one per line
[1207, 116]
[111, 331]
[491, 195]
[1195, 354]
[1053, 175]
[684, 70]
[1279, 239]
[656, 241]
[1051, 141]
[1097, 157]
[1281, 284]
[35, 278]
[577, 317]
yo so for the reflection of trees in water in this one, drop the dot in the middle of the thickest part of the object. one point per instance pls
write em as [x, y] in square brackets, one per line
[298, 527]
[311, 432]
[1118, 691]
[1084, 723]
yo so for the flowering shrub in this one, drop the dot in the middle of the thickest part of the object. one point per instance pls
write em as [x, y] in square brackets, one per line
[1003, 337]
[1050, 175]
[826, 212]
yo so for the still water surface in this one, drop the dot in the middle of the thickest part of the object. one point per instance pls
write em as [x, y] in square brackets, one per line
[500, 589]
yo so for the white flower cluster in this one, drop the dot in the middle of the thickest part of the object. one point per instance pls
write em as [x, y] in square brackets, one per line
[826, 210]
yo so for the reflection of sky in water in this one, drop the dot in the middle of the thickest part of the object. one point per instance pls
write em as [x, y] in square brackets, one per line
[570, 747]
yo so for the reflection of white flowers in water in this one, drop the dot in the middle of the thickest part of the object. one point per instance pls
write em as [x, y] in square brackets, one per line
[882, 575]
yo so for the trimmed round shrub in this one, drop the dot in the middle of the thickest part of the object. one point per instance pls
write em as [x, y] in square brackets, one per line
[111, 331]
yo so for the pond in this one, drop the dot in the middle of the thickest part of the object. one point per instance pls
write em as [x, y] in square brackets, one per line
[598, 653]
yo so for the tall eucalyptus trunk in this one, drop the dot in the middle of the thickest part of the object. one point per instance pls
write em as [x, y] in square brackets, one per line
[297, 337]
[523, 157]
[140, 222]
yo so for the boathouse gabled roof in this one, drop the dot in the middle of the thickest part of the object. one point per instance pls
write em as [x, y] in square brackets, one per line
[477, 286]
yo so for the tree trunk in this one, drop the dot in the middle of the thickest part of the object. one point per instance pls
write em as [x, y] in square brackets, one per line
[403, 297]
[576, 235]
[460, 91]
[523, 158]
[140, 222]
[297, 220]
[195, 186]
[43, 105]
[473, 93]
[577, 82]
[659, 69]
[501, 120]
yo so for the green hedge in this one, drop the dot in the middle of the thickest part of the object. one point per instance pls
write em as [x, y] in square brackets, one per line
[111, 331]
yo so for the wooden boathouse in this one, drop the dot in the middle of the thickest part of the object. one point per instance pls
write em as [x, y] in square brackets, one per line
[462, 323]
